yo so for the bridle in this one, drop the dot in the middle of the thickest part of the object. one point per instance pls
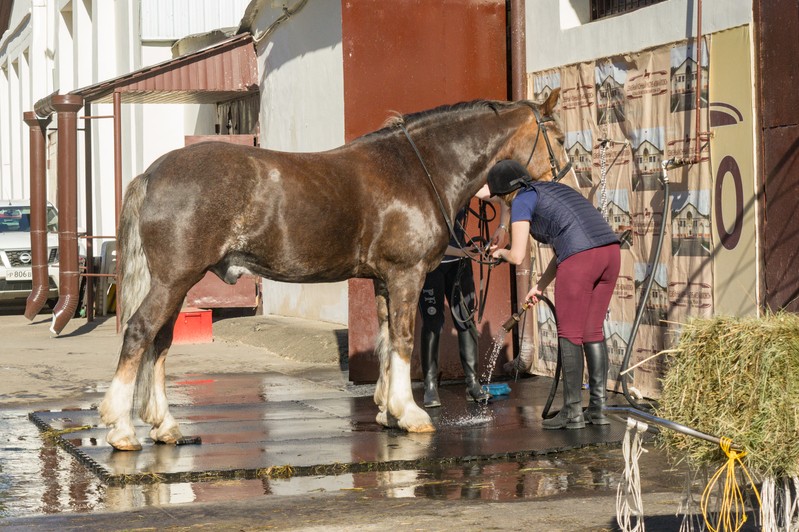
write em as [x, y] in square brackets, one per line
[557, 172]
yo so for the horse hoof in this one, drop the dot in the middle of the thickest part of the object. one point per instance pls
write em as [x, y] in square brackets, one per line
[422, 428]
[126, 444]
[170, 436]
[383, 418]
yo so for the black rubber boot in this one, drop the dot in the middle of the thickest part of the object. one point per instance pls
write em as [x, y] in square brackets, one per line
[596, 358]
[571, 415]
[467, 346]
[429, 350]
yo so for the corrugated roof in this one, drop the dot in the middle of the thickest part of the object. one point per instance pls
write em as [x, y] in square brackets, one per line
[220, 72]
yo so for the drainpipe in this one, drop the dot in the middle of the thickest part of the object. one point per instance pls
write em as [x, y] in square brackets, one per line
[698, 108]
[525, 342]
[67, 106]
[38, 216]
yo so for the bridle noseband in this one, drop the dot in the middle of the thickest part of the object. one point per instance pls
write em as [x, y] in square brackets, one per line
[557, 172]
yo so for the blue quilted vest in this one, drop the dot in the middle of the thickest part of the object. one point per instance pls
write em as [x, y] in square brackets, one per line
[567, 221]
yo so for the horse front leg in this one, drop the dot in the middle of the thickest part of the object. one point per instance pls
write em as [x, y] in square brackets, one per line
[402, 411]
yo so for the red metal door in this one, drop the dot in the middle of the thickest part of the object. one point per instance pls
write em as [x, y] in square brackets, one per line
[408, 56]
[777, 23]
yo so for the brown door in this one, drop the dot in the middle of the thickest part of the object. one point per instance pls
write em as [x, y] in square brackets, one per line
[777, 24]
[408, 56]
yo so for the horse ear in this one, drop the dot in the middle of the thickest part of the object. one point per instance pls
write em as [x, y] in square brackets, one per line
[552, 100]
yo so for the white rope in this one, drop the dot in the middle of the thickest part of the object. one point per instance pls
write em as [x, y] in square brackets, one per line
[689, 509]
[779, 508]
[629, 506]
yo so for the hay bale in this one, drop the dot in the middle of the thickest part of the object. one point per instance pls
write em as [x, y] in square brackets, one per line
[736, 378]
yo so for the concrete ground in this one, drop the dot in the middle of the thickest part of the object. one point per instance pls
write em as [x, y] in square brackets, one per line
[72, 371]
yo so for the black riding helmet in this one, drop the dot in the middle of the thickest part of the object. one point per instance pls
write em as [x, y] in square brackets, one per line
[506, 176]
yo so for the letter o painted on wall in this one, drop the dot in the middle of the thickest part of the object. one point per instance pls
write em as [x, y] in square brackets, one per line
[729, 239]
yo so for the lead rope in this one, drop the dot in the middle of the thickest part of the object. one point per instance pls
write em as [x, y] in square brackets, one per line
[732, 513]
[629, 505]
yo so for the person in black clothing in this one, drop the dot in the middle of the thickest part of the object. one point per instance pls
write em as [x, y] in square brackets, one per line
[451, 280]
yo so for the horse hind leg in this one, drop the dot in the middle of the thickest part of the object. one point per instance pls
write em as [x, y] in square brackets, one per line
[154, 404]
[137, 361]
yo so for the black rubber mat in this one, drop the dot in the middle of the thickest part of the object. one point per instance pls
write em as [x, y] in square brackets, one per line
[321, 431]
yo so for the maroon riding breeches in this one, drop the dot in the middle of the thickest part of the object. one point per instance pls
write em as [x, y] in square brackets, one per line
[584, 284]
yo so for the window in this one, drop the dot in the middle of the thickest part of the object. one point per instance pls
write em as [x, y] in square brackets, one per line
[608, 8]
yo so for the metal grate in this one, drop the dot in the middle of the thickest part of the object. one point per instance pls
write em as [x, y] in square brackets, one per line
[608, 8]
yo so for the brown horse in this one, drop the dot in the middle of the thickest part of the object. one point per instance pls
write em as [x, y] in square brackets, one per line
[377, 207]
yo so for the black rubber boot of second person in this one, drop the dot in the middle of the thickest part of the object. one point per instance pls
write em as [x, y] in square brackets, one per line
[596, 358]
[571, 415]
[429, 349]
[467, 346]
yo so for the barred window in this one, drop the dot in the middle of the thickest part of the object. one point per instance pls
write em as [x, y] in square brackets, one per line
[608, 8]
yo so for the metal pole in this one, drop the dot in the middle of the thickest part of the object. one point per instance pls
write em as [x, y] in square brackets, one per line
[87, 149]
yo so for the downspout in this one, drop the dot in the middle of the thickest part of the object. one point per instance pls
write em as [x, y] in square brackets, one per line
[525, 342]
[38, 215]
[698, 108]
[67, 107]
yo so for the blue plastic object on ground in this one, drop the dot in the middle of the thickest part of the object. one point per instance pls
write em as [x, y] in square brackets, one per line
[499, 388]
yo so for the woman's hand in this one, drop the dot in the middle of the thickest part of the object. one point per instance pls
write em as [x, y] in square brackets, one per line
[533, 295]
[500, 237]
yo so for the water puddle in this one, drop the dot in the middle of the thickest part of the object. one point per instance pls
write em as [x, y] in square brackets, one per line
[38, 477]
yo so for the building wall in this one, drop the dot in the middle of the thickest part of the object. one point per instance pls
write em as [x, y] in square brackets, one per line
[63, 45]
[559, 32]
[302, 109]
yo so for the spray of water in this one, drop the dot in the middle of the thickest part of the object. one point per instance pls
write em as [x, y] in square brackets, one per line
[493, 356]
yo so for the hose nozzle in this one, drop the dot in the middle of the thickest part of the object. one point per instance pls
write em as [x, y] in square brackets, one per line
[514, 319]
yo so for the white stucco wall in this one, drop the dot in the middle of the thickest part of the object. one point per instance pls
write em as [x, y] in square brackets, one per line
[558, 31]
[64, 45]
[302, 109]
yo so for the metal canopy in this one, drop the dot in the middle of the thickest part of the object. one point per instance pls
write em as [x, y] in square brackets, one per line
[221, 72]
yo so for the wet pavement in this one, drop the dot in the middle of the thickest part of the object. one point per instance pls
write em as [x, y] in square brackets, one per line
[296, 447]
[275, 424]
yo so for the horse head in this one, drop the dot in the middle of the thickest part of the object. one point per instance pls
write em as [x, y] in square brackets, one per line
[538, 142]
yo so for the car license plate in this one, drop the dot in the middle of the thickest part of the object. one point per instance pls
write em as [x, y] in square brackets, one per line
[19, 274]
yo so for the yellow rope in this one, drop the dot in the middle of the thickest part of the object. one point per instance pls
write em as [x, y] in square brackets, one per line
[732, 513]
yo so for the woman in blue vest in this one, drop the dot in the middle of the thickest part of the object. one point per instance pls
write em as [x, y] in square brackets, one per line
[585, 268]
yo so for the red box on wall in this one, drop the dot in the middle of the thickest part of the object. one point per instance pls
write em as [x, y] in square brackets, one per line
[193, 326]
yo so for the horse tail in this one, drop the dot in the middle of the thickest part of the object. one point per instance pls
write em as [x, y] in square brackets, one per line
[134, 284]
[134, 273]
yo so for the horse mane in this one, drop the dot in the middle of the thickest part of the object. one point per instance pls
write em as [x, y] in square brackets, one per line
[397, 120]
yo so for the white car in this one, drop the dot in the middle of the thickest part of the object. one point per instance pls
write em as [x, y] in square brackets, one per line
[16, 275]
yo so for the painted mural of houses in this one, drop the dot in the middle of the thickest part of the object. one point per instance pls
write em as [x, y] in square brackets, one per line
[657, 304]
[547, 337]
[609, 94]
[543, 95]
[690, 223]
[647, 159]
[544, 84]
[618, 215]
[684, 79]
[581, 156]
[617, 334]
